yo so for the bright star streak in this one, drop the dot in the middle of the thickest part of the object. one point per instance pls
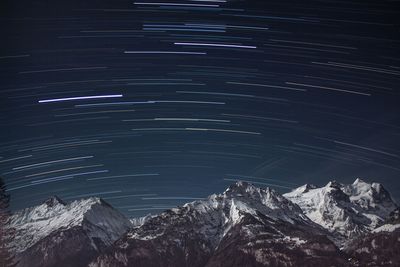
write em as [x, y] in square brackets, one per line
[78, 98]
[174, 4]
[123, 176]
[50, 162]
[165, 52]
[218, 45]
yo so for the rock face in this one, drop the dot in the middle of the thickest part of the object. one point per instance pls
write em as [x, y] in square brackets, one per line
[244, 226]
[345, 210]
[59, 234]
[380, 247]
[137, 222]
[394, 217]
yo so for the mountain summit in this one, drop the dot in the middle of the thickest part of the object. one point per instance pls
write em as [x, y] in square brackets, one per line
[73, 233]
[243, 226]
[333, 225]
[345, 210]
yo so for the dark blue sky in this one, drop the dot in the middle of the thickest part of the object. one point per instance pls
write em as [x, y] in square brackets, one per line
[152, 104]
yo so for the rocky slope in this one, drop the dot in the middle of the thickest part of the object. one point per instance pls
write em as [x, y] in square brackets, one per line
[378, 248]
[334, 225]
[244, 226]
[59, 234]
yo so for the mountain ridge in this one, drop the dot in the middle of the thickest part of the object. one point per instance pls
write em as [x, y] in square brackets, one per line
[56, 231]
[346, 210]
[243, 226]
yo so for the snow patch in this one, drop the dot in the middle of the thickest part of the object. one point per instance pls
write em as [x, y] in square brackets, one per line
[387, 228]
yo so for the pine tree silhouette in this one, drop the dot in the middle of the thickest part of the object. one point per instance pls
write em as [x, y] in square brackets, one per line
[6, 233]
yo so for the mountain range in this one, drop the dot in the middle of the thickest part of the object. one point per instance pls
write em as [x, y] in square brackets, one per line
[356, 224]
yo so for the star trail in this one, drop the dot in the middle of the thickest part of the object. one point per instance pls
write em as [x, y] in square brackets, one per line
[153, 104]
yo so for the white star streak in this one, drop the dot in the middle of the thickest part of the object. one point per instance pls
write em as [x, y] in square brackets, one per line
[367, 148]
[123, 176]
[165, 52]
[50, 162]
[196, 129]
[217, 45]
[173, 4]
[177, 119]
[54, 179]
[78, 98]
[12, 159]
[328, 88]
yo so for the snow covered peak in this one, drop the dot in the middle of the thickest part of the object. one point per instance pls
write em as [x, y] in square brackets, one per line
[359, 186]
[345, 209]
[359, 181]
[54, 201]
[247, 198]
[333, 184]
[215, 216]
[241, 188]
[93, 215]
[369, 195]
[300, 190]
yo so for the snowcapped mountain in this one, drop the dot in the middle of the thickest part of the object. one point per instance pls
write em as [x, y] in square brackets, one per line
[229, 208]
[345, 210]
[244, 226]
[43, 232]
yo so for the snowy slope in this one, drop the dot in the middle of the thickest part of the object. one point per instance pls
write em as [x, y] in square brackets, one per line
[137, 222]
[387, 228]
[348, 210]
[243, 224]
[391, 224]
[219, 213]
[96, 218]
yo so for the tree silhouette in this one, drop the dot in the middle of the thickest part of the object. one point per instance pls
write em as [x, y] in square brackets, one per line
[6, 257]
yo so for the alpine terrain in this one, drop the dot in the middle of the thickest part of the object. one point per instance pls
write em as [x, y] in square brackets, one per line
[335, 225]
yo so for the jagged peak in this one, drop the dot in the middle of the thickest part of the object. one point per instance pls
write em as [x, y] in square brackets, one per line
[359, 181]
[378, 187]
[92, 214]
[345, 208]
[246, 189]
[90, 201]
[308, 187]
[376, 191]
[363, 185]
[302, 189]
[380, 193]
[334, 184]
[239, 186]
[265, 200]
[53, 201]
[358, 190]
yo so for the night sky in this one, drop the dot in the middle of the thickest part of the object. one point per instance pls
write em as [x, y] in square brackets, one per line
[150, 105]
